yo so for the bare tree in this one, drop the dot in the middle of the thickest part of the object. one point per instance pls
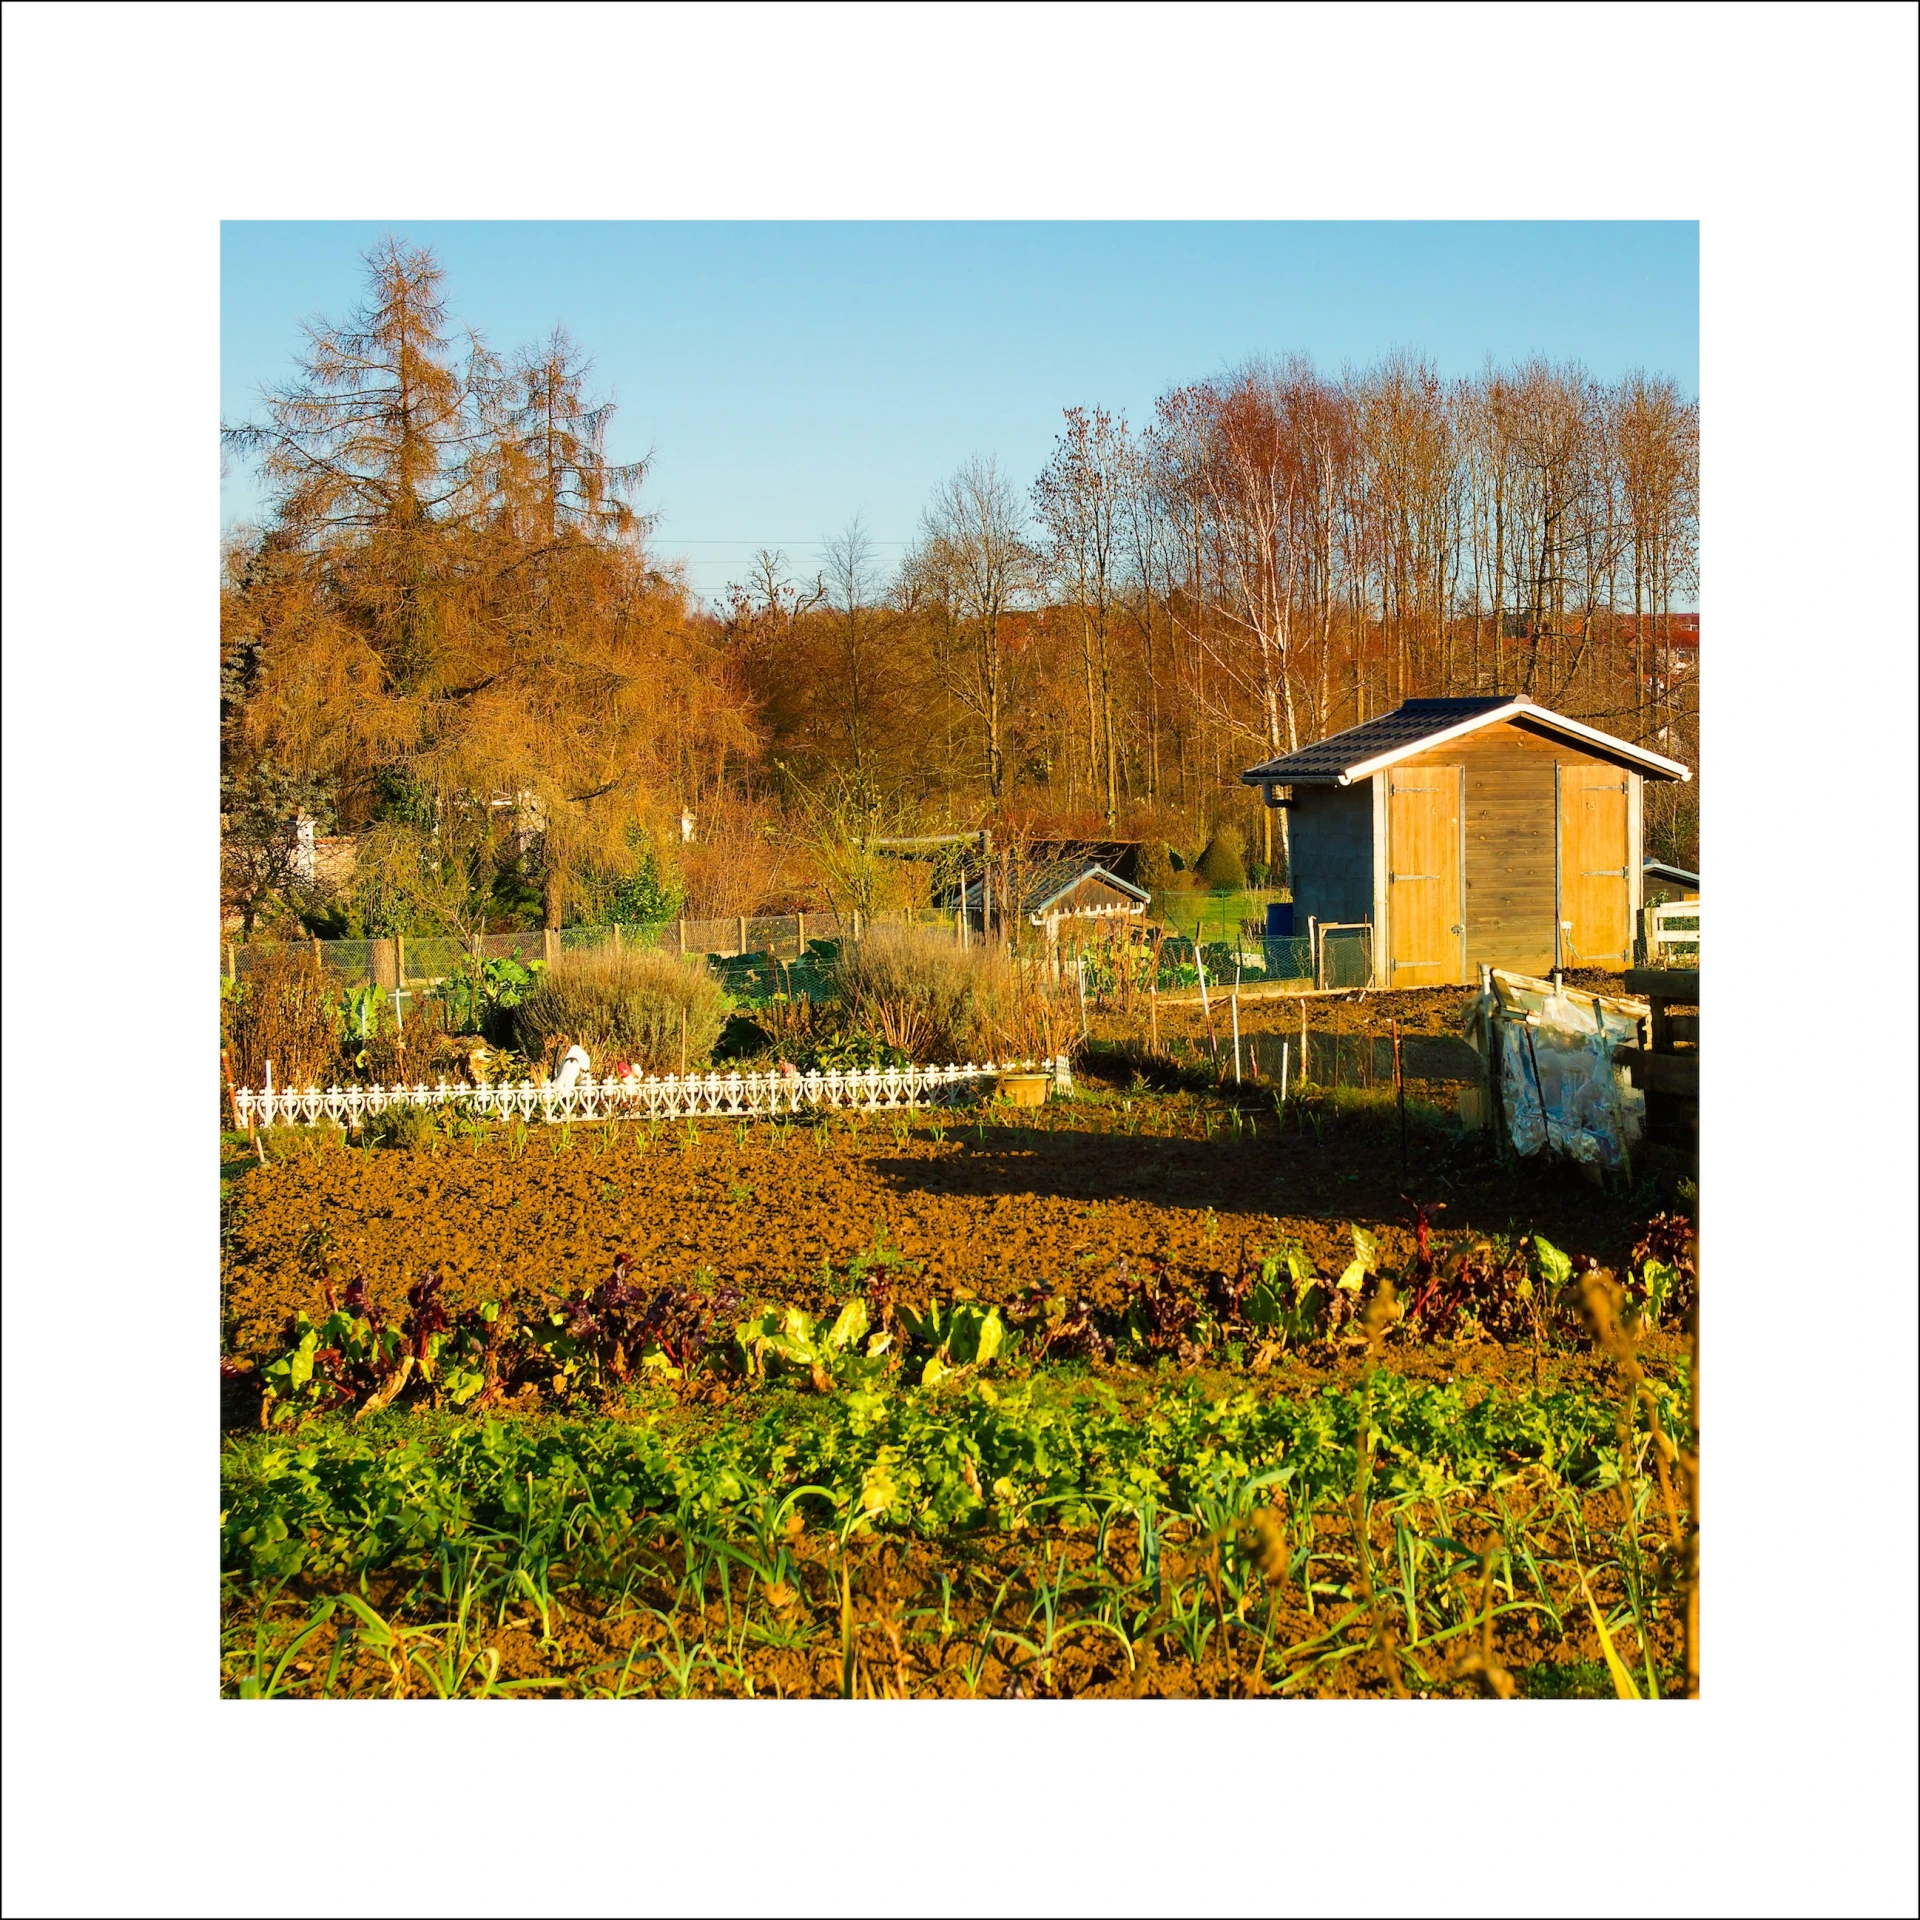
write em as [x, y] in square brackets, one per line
[853, 593]
[974, 557]
[1079, 496]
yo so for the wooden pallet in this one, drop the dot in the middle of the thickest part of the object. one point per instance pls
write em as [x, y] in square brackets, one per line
[1670, 1067]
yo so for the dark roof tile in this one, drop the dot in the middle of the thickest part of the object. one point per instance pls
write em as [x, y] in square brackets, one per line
[1394, 735]
[1328, 759]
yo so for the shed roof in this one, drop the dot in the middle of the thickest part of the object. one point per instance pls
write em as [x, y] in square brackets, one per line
[1045, 887]
[1417, 725]
[1665, 870]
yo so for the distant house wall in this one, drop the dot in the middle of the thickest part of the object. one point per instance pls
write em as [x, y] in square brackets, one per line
[1332, 845]
[333, 856]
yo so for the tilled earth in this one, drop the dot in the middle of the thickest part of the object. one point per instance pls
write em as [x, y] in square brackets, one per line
[972, 1201]
[914, 1622]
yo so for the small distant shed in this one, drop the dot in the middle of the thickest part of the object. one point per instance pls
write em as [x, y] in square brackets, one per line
[1662, 880]
[1072, 890]
[1469, 832]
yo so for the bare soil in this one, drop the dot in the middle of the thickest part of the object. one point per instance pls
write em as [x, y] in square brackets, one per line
[985, 1202]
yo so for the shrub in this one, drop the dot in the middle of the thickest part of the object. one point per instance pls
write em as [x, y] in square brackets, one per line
[924, 996]
[302, 1143]
[418, 1049]
[404, 1128]
[1154, 870]
[934, 1002]
[1031, 1016]
[286, 1010]
[1222, 865]
[624, 1003]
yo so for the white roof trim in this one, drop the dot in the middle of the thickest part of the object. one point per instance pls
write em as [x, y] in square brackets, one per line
[1518, 708]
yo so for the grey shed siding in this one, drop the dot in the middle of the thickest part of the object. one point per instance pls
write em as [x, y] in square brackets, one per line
[1332, 830]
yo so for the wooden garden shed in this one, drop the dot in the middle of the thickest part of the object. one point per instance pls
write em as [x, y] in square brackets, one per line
[1074, 892]
[1468, 832]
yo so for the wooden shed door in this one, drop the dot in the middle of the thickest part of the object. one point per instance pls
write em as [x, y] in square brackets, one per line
[1426, 911]
[1595, 915]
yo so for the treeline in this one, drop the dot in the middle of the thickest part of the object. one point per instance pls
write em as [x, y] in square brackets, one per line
[452, 638]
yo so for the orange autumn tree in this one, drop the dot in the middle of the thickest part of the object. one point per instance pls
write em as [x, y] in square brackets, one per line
[451, 619]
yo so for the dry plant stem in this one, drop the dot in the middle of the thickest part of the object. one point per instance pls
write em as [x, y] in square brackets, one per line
[1603, 1299]
[1400, 1098]
[1690, 1466]
[1481, 1664]
[1380, 1313]
[846, 1630]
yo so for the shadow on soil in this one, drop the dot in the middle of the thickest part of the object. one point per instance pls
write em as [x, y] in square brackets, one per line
[1352, 1178]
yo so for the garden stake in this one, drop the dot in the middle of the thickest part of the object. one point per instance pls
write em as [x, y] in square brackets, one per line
[1400, 1096]
[1153, 1012]
[1234, 1006]
[683, 1043]
[1206, 1007]
[1303, 1040]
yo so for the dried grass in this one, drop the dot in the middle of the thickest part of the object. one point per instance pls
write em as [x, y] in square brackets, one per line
[624, 1003]
[939, 1002]
[287, 1011]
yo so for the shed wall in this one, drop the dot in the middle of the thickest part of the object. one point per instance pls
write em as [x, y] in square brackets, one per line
[1332, 872]
[1510, 842]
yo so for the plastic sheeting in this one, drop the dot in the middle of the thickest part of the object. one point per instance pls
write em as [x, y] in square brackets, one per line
[1560, 1087]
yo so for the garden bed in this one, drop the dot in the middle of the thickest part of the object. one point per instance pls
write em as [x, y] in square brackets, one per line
[1169, 1501]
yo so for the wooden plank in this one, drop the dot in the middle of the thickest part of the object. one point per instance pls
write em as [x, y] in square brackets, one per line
[1678, 984]
[1423, 852]
[1663, 1072]
[1594, 879]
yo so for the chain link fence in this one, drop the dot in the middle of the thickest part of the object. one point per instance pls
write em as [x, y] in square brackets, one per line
[421, 960]
[1346, 956]
[757, 954]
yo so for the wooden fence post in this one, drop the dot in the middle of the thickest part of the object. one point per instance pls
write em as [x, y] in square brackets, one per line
[683, 939]
[399, 962]
[231, 974]
[803, 933]
[616, 936]
[743, 934]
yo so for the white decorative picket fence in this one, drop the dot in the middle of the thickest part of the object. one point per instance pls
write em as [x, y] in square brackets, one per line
[670, 1097]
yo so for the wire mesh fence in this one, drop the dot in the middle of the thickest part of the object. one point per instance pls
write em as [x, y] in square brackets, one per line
[761, 954]
[509, 946]
[412, 960]
[1346, 956]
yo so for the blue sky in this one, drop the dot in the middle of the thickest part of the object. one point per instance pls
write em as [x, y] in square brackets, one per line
[788, 375]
